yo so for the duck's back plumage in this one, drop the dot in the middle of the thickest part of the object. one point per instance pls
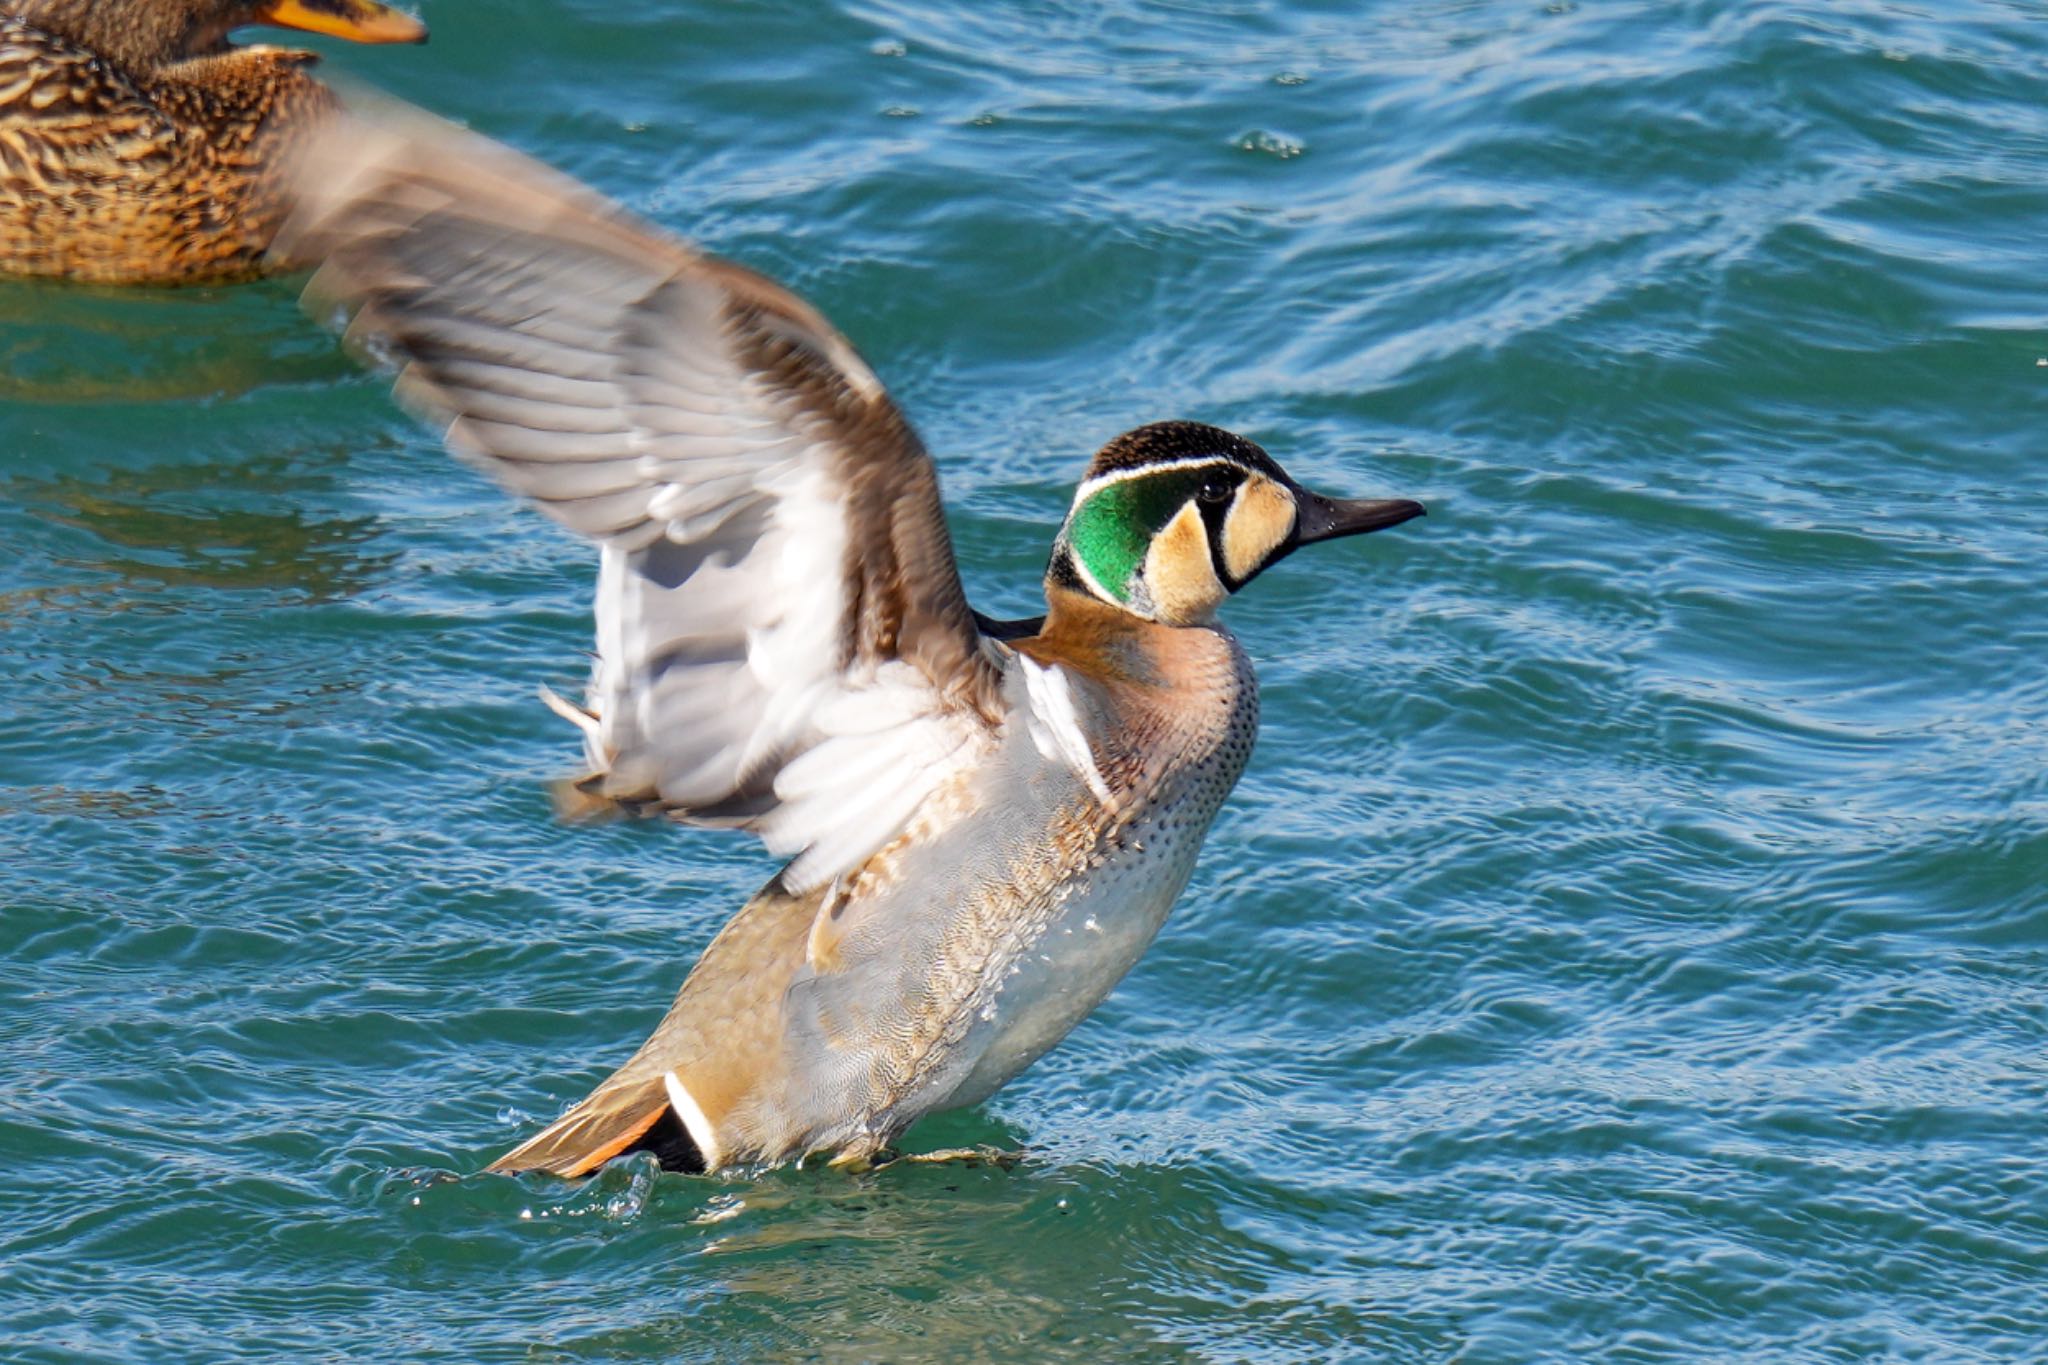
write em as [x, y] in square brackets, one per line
[110, 177]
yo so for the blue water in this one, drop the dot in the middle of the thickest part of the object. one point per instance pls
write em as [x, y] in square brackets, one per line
[1629, 942]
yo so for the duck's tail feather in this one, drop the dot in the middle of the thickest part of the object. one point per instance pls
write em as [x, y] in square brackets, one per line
[620, 1116]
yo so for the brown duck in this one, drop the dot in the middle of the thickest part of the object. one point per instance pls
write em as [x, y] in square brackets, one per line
[138, 146]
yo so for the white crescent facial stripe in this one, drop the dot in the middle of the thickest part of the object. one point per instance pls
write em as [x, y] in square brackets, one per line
[1089, 580]
[1095, 485]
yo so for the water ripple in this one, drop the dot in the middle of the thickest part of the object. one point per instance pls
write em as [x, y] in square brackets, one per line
[1627, 944]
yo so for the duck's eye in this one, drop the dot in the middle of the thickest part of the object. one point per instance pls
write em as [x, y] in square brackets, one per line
[1215, 488]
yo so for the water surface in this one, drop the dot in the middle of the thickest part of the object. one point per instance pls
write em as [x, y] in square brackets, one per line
[1629, 941]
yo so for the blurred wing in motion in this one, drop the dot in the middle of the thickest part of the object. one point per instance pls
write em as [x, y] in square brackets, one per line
[783, 644]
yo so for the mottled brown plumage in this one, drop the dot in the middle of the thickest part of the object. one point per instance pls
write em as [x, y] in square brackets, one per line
[137, 146]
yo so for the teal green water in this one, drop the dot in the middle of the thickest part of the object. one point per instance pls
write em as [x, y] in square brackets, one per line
[1629, 942]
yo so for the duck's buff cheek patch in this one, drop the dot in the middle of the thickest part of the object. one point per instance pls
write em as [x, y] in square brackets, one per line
[1259, 523]
[1180, 571]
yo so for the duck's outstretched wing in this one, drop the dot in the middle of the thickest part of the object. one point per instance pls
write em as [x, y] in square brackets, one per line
[782, 640]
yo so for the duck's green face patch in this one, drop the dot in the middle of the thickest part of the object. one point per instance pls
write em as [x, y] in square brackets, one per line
[1111, 529]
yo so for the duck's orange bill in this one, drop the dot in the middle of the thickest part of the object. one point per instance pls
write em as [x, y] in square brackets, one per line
[359, 21]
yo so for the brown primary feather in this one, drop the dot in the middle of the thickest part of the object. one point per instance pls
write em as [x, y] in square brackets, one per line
[128, 157]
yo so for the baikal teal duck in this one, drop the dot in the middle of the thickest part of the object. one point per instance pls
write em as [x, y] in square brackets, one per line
[986, 823]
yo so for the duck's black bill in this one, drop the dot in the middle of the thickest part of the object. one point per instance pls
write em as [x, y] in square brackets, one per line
[1321, 518]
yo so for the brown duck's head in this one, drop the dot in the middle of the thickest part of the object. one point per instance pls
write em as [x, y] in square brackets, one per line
[152, 33]
[1174, 517]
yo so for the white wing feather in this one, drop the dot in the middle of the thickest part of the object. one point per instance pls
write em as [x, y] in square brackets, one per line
[782, 643]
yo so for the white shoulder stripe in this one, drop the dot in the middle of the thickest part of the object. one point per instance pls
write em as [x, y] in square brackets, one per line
[692, 1116]
[1056, 728]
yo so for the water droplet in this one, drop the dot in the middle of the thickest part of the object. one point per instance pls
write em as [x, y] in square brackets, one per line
[1091, 926]
[1270, 143]
[721, 1209]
